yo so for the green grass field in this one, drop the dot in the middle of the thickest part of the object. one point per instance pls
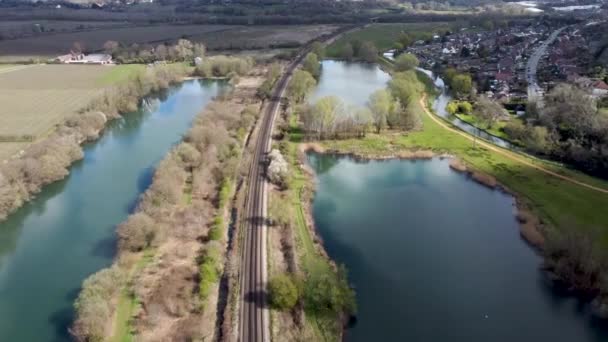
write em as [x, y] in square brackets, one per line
[562, 204]
[385, 35]
[119, 73]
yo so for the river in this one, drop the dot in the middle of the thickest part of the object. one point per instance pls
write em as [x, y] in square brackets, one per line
[435, 256]
[49, 246]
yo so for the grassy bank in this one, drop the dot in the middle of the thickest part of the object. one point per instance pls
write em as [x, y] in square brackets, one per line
[302, 254]
[496, 129]
[562, 204]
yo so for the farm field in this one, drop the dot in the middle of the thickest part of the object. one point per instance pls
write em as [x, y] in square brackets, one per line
[11, 29]
[258, 37]
[385, 35]
[36, 98]
[215, 36]
[53, 45]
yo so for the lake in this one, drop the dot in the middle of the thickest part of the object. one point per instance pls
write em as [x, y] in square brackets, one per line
[435, 256]
[49, 246]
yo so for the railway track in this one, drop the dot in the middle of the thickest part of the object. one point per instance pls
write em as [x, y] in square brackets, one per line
[253, 315]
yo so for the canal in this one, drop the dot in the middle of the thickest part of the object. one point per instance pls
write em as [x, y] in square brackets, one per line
[442, 100]
[435, 256]
[49, 246]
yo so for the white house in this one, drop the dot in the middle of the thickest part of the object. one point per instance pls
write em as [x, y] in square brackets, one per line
[80, 58]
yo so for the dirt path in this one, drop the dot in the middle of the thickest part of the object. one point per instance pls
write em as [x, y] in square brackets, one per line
[505, 153]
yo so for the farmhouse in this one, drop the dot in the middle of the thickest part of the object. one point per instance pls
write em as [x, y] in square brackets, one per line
[80, 58]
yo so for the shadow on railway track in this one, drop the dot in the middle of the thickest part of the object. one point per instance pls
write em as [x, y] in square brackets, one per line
[255, 297]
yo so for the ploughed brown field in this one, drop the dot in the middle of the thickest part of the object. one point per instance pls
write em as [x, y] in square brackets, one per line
[47, 45]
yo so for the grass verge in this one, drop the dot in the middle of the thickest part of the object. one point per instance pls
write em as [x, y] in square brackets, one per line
[309, 257]
[128, 303]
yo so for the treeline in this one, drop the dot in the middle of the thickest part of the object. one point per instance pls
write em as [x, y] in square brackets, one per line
[181, 214]
[243, 13]
[357, 50]
[569, 127]
[223, 66]
[182, 51]
[48, 161]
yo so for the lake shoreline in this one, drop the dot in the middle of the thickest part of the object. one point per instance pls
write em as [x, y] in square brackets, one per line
[202, 207]
[531, 228]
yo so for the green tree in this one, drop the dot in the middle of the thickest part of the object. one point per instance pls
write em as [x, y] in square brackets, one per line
[571, 111]
[347, 52]
[323, 116]
[381, 104]
[312, 65]
[405, 40]
[487, 111]
[368, 52]
[462, 85]
[449, 75]
[465, 107]
[452, 107]
[538, 140]
[283, 292]
[318, 49]
[402, 88]
[406, 61]
[329, 293]
[300, 86]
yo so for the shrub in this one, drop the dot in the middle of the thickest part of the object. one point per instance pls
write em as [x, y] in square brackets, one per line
[278, 172]
[209, 270]
[188, 154]
[283, 293]
[93, 309]
[326, 292]
[137, 232]
[516, 130]
[406, 61]
[574, 259]
[311, 64]
[465, 107]
[217, 228]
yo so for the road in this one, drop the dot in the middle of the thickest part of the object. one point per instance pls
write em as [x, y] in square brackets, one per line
[534, 90]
